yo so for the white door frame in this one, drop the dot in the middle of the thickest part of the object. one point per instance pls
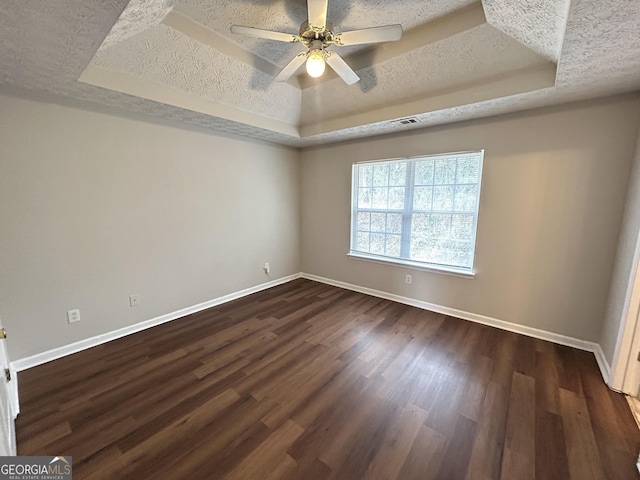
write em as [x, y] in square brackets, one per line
[625, 370]
[9, 407]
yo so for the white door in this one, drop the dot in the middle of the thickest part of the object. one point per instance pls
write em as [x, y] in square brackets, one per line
[8, 409]
[631, 384]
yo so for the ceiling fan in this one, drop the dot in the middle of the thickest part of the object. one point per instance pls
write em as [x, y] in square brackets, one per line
[316, 35]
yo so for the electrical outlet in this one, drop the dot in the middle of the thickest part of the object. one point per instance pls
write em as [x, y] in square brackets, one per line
[73, 316]
[266, 268]
[407, 279]
[134, 300]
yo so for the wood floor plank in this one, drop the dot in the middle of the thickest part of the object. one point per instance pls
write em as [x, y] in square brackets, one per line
[396, 445]
[156, 419]
[457, 452]
[47, 436]
[475, 389]
[551, 456]
[488, 448]
[306, 381]
[327, 421]
[218, 449]
[547, 384]
[448, 386]
[269, 454]
[100, 461]
[355, 431]
[518, 460]
[579, 438]
[425, 455]
[167, 438]
[344, 382]
[568, 369]
[314, 468]
[299, 393]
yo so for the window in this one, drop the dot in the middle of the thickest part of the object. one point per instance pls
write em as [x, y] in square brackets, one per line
[420, 211]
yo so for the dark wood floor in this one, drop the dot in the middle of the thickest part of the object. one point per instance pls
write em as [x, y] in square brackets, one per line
[308, 381]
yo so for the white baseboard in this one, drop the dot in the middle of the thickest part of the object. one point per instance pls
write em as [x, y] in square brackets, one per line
[473, 317]
[603, 364]
[53, 354]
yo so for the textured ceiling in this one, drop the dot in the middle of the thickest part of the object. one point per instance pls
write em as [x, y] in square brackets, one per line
[287, 16]
[177, 61]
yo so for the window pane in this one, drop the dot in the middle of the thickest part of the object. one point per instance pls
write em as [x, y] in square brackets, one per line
[362, 242]
[394, 223]
[468, 170]
[380, 175]
[462, 227]
[363, 220]
[424, 172]
[419, 224]
[378, 221]
[393, 245]
[379, 198]
[443, 198]
[438, 252]
[377, 243]
[429, 250]
[419, 249]
[422, 198]
[465, 198]
[364, 197]
[365, 176]
[398, 174]
[459, 253]
[445, 171]
[439, 226]
[396, 198]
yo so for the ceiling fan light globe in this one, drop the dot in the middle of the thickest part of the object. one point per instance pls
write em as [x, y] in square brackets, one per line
[315, 63]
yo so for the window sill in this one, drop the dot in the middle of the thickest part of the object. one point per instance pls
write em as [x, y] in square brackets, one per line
[413, 265]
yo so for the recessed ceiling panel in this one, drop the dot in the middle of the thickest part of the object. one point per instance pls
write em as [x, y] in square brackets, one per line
[287, 16]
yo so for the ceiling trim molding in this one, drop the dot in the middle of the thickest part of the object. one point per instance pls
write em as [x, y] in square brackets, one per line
[513, 83]
[132, 85]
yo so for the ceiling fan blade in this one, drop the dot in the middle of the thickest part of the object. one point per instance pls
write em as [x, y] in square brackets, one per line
[388, 33]
[317, 13]
[291, 67]
[345, 72]
[260, 33]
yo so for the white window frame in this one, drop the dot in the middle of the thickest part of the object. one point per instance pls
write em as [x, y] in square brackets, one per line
[407, 212]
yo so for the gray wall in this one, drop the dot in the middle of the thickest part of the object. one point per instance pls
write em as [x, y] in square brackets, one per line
[552, 198]
[95, 207]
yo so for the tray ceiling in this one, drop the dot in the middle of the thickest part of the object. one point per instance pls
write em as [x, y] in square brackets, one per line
[177, 61]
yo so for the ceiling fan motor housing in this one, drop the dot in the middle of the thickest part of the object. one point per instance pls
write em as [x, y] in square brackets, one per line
[308, 36]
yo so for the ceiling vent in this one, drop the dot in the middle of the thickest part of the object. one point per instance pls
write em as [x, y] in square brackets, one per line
[405, 121]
